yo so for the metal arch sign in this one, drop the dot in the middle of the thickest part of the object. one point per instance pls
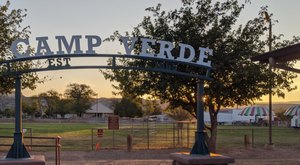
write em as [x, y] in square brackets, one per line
[163, 61]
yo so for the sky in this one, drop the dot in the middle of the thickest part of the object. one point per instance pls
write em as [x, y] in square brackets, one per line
[98, 17]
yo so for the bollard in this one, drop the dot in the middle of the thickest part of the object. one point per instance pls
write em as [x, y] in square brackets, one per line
[97, 147]
[247, 141]
[129, 143]
[58, 149]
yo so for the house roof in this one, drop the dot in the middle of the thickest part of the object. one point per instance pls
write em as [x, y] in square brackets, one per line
[278, 57]
[99, 108]
[288, 53]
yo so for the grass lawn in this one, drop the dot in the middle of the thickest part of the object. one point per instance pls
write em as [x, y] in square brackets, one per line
[77, 136]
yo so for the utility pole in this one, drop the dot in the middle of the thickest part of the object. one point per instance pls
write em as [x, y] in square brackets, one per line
[268, 19]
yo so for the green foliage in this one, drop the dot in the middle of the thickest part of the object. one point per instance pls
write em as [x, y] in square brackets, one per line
[30, 107]
[10, 30]
[64, 106]
[81, 97]
[78, 99]
[151, 107]
[53, 99]
[236, 80]
[128, 108]
[179, 114]
[8, 112]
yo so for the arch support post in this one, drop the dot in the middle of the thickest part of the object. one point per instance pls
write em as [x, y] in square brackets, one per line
[200, 146]
[18, 150]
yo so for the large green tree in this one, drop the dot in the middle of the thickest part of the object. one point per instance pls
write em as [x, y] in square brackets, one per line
[128, 107]
[30, 107]
[81, 97]
[204, 23]
[11, 29]
[64, 107]
[52, 99]
[53, 103]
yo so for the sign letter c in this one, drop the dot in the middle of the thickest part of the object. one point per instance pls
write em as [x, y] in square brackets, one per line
[14, 48]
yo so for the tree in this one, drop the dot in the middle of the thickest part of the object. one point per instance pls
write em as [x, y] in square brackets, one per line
[8, 112]
[179, 114]
[10, 30]
[64, 107]
[30, 107]
[52, 101]
[55, 104]
[81, 97]
[128, 108]
[151, 107]
[236, 80]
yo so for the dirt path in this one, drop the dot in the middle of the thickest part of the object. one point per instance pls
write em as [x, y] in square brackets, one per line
[279, 156]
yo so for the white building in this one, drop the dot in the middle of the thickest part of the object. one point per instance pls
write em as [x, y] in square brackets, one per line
[98, 110]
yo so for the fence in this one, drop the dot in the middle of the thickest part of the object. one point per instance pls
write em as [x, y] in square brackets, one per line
[153, 135]
[181, 135]
[148, 135]
[29, 147]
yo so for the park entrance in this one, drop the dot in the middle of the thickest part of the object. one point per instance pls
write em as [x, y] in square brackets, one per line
[164, 62]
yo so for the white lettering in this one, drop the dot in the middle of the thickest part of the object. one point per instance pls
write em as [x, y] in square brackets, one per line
[43, 45]
[146, 47]
[90, 43]
[14, 48]
[165, 49]
[62, 40]
[203, 56]
[191, 56]
[128, 46]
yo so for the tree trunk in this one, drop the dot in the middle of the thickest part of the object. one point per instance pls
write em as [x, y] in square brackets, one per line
[213, 134]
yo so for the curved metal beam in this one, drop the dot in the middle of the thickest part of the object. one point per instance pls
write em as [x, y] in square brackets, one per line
[158, 65]
[102, 55]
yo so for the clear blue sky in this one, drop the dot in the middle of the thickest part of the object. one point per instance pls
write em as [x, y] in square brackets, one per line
[99, 17]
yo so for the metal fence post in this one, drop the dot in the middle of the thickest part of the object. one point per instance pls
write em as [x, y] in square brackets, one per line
[92, 143]
[252, 138]
[57, 151]
[181, 134]
[188, 134]
[114, 140]
[132, 127]
[31, 138]
[148, 135]
[173, 135]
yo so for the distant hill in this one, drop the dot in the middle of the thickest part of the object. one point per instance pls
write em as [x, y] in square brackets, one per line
[8, 101]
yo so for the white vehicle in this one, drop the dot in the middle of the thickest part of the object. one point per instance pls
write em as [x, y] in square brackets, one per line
[231, 116]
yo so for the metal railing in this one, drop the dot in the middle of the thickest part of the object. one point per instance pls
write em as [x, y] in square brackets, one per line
[57, 145]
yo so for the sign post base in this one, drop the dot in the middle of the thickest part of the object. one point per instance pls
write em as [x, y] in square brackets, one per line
[34, 160]
[182, 158]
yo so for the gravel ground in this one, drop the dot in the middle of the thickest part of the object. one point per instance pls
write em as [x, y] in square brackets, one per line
[257, 156]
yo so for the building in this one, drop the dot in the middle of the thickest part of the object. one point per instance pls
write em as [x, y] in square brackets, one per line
[98, 110]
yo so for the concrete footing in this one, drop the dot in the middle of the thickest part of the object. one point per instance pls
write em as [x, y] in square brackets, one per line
[34, 160]
[187, 159]
[269, 146]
